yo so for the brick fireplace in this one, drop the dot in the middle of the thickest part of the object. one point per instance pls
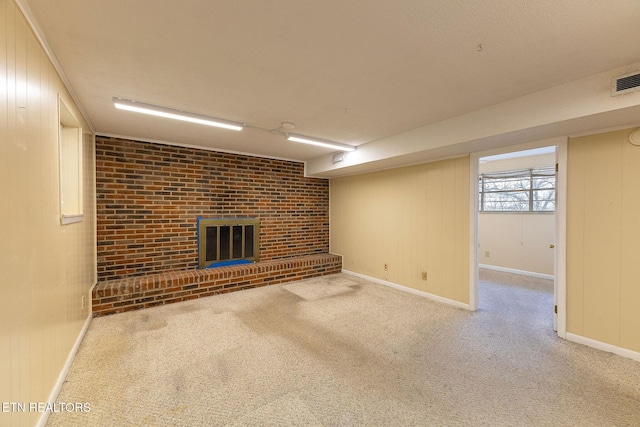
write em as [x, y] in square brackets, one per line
[149, 197]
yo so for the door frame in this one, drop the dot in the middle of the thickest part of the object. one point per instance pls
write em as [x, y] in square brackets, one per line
[560, 253]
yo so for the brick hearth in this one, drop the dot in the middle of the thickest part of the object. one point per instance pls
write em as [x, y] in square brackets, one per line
[133, 293]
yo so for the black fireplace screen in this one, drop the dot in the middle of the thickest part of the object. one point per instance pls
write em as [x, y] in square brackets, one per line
[227, 241]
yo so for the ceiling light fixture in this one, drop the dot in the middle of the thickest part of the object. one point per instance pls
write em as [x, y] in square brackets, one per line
[319, 142]
[170, 113]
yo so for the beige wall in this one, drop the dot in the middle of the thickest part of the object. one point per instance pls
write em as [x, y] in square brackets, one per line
[414, 219]
[517, 240]
[603, 235]
[45, 268]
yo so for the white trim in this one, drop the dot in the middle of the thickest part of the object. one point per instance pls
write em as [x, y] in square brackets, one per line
[95, 210]
[433, 297]
[70, 219]
[522, 147]
[474, 200]
[516, 271]
[560, 261]
[53, 396]
[609, 348]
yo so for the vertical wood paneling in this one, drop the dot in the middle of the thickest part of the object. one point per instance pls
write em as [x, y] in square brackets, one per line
[44, 267]
[448, 222]
[461, 230]
[630, 246]
[32, 197]
[414, 218]
[602, 239]
[575, 236]
[387, 226]
[421, 235]
[5, 304]
[405, 270]
[16, 60]
[434, 231]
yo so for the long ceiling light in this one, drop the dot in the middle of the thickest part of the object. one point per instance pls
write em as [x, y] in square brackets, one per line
[319, 142]
[170, 113]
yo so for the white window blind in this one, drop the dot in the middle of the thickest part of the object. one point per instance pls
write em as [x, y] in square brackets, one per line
[525, 190]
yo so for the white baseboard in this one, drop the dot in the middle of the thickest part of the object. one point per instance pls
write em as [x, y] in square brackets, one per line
[629, 354]
[65, 370]
[516, 271]
[410, 290]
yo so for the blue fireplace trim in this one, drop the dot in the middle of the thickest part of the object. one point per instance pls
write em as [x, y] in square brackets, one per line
[227, 263]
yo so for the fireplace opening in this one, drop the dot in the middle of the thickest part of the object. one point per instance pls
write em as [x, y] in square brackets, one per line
[228, 241]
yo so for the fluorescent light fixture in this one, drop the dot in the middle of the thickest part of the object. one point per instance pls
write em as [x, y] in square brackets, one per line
[319, 142]
[170, 113]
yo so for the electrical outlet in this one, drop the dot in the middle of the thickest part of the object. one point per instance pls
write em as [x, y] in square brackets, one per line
[386, 267]
[487, 254]
[424, 275]
[84, 302]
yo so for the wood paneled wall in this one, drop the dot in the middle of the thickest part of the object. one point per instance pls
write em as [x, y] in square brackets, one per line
[45, 268]
[413, 219]
[603, 235]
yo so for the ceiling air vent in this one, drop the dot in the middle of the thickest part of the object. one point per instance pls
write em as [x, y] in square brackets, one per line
[626, 83]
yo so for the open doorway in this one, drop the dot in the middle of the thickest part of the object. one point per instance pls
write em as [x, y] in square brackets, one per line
[516, 233]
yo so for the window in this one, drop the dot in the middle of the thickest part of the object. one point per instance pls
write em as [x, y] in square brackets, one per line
[70, 145]
[527, 190]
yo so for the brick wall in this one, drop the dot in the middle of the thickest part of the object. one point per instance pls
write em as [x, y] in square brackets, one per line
[150, 195]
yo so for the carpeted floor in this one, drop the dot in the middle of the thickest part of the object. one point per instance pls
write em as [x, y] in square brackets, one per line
[341, 351]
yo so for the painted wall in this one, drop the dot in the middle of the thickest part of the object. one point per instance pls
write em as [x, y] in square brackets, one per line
[517, 240]
[414, 219]
[603, 235]
[45, 268]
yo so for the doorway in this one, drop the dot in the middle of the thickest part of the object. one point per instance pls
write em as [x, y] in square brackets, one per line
[517, 227]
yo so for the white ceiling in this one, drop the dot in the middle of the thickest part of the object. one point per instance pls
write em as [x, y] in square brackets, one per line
[351, 71]
[518, 154]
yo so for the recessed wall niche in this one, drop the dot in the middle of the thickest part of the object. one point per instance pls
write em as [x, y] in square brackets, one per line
[70, 153]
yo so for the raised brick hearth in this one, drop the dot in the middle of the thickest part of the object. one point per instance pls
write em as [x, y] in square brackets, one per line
[133, 293]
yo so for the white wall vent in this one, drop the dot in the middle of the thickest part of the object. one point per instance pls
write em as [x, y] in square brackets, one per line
[626, 83]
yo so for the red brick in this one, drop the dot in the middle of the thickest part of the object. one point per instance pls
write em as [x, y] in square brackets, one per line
[186, 183]
[244, 277]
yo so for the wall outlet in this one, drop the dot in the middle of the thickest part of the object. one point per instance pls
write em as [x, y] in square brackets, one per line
[386, 267]
[424, 275]
[487, 254]
[83, 303]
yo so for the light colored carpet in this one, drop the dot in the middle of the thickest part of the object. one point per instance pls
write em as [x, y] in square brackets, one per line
[341, 351]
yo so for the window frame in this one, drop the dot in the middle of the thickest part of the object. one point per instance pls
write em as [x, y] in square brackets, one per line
[529, 174]
[71, 173]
